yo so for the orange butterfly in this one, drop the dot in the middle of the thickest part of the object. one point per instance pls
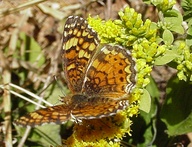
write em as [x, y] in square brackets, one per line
[100, 78]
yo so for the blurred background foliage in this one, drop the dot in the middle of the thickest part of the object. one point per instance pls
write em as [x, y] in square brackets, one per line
[30, 45]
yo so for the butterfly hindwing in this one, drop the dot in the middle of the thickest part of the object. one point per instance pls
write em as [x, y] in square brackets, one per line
[111, 74]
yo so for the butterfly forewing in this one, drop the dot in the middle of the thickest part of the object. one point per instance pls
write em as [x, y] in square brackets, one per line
[79, 45]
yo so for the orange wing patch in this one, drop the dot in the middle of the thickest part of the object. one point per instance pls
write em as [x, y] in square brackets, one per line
[110, 73]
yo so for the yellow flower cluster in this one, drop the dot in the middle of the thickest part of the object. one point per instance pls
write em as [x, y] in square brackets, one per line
[164, 5]
[100, 132]
[184, 61]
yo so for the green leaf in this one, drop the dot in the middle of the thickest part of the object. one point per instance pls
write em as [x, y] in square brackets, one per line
[182, 128]
[168, 37]
[167, 57]
[189, 42]
[47, 135]
[150, 91]
[176, 111]
[189, 31]
[174, 19]
[33, 51]
[187, 10]
[145, 101]
[144, 129]
[152, 88]
[171, 13]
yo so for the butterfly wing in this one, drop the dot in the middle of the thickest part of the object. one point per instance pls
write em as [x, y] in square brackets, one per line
[79, 45]
[98, 107]
[56, 114]
[111, 73]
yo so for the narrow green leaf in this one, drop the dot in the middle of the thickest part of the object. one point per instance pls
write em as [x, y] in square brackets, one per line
[145, 101]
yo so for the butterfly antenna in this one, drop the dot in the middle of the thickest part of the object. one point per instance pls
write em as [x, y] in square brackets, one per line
[59, 85]
[44, 89]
